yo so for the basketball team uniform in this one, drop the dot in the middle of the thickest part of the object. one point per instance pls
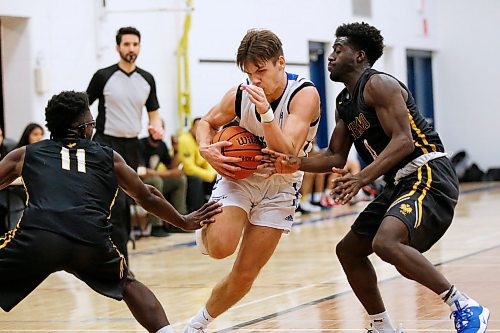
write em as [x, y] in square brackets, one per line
[70, 187]
[268, 202]
[421, 190]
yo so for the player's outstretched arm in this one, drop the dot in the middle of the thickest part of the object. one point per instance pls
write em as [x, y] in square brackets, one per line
[11, 166]
[333, 157]
[154, 202]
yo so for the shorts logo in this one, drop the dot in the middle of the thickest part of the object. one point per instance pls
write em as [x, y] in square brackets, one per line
[289, 218]
[405, 209]
[221, 197]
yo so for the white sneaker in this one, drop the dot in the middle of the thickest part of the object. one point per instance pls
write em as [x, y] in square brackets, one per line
[373, 330]
[308, 206]
[193, 328]
[199, 242]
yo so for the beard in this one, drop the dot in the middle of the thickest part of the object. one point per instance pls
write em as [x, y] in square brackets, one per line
[334, 76]
[128, 57]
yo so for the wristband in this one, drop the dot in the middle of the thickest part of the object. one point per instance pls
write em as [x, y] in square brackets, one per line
[268, 116]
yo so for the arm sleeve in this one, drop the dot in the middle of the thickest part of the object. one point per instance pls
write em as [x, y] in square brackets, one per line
[152, 101]
[96, 87]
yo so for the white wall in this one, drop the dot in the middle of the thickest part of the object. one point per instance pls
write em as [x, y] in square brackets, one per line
[76, 37]
[466, 71]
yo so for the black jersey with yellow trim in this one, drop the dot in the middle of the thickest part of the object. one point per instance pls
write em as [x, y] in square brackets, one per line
[71, 186]
[367, 132]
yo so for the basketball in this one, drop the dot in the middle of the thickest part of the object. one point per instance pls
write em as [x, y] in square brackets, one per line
[245, 146]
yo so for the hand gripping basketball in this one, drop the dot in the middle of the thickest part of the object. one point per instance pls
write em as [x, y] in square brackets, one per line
[245, 145]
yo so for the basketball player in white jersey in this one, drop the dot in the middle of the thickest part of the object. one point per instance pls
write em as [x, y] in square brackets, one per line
[283, 109]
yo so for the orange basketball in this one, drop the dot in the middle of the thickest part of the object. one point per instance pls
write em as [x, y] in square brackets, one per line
[245, 146]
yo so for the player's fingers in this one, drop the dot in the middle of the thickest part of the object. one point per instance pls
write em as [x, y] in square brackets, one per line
[221, 144]
[230, 159]
[339, 171]
[206, 221]
[264, 166]
[268, 151]
[212, 213]
[262, 158]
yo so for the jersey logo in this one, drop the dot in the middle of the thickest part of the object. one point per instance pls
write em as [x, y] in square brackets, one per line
[71, 145]
[289, 218]
[405, 209]
[358, 126]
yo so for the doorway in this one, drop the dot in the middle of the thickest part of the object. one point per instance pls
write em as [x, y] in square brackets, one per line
[419, 68]
[317, 70]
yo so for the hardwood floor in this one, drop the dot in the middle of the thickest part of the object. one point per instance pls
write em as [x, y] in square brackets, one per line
[302, 289]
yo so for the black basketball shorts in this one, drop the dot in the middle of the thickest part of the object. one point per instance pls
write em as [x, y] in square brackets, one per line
[424, 201]
[28, 256]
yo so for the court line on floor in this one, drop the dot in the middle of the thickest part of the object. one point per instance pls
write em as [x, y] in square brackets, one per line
[241, 326]
[337, 295]
[323, 218]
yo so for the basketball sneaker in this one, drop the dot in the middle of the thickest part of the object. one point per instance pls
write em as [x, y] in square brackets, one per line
[469, 316]
[193, 329]
[198, 233]
[373, 330]
[308, 206]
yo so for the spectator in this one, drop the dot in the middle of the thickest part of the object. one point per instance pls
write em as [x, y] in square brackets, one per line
[6, 145]
[31, 134]
[200, 174]
[163, 173]
[123, 90]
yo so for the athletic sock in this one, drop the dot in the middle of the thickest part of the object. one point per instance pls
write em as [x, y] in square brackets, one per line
[166, 329]
[202, 318]
[317, 196]
[382, 323]
[451, 295]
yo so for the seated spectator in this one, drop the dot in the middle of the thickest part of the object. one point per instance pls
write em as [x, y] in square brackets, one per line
[201, 175]
[31, 134]
[6, 145]
[163, 173]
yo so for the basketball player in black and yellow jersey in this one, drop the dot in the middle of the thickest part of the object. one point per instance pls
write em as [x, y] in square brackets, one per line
[71, 183]
[378, 114]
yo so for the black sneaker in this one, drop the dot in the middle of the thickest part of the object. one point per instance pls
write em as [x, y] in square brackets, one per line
[159, 231]
[173, 229]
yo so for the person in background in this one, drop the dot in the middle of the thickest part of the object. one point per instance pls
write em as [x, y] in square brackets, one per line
[162, 171]
[6, 145]
[31, 134]
[123, 90]
[200, 174]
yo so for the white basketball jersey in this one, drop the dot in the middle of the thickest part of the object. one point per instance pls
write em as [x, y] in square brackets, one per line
[249, 118]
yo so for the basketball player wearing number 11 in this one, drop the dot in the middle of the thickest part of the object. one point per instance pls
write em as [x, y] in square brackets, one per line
[71, 185]
[282, 109]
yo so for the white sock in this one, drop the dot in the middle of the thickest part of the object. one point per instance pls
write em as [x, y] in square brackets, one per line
[166, 329]
[317, 196]
[202, 318]
[382, 323]
[451, 295]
